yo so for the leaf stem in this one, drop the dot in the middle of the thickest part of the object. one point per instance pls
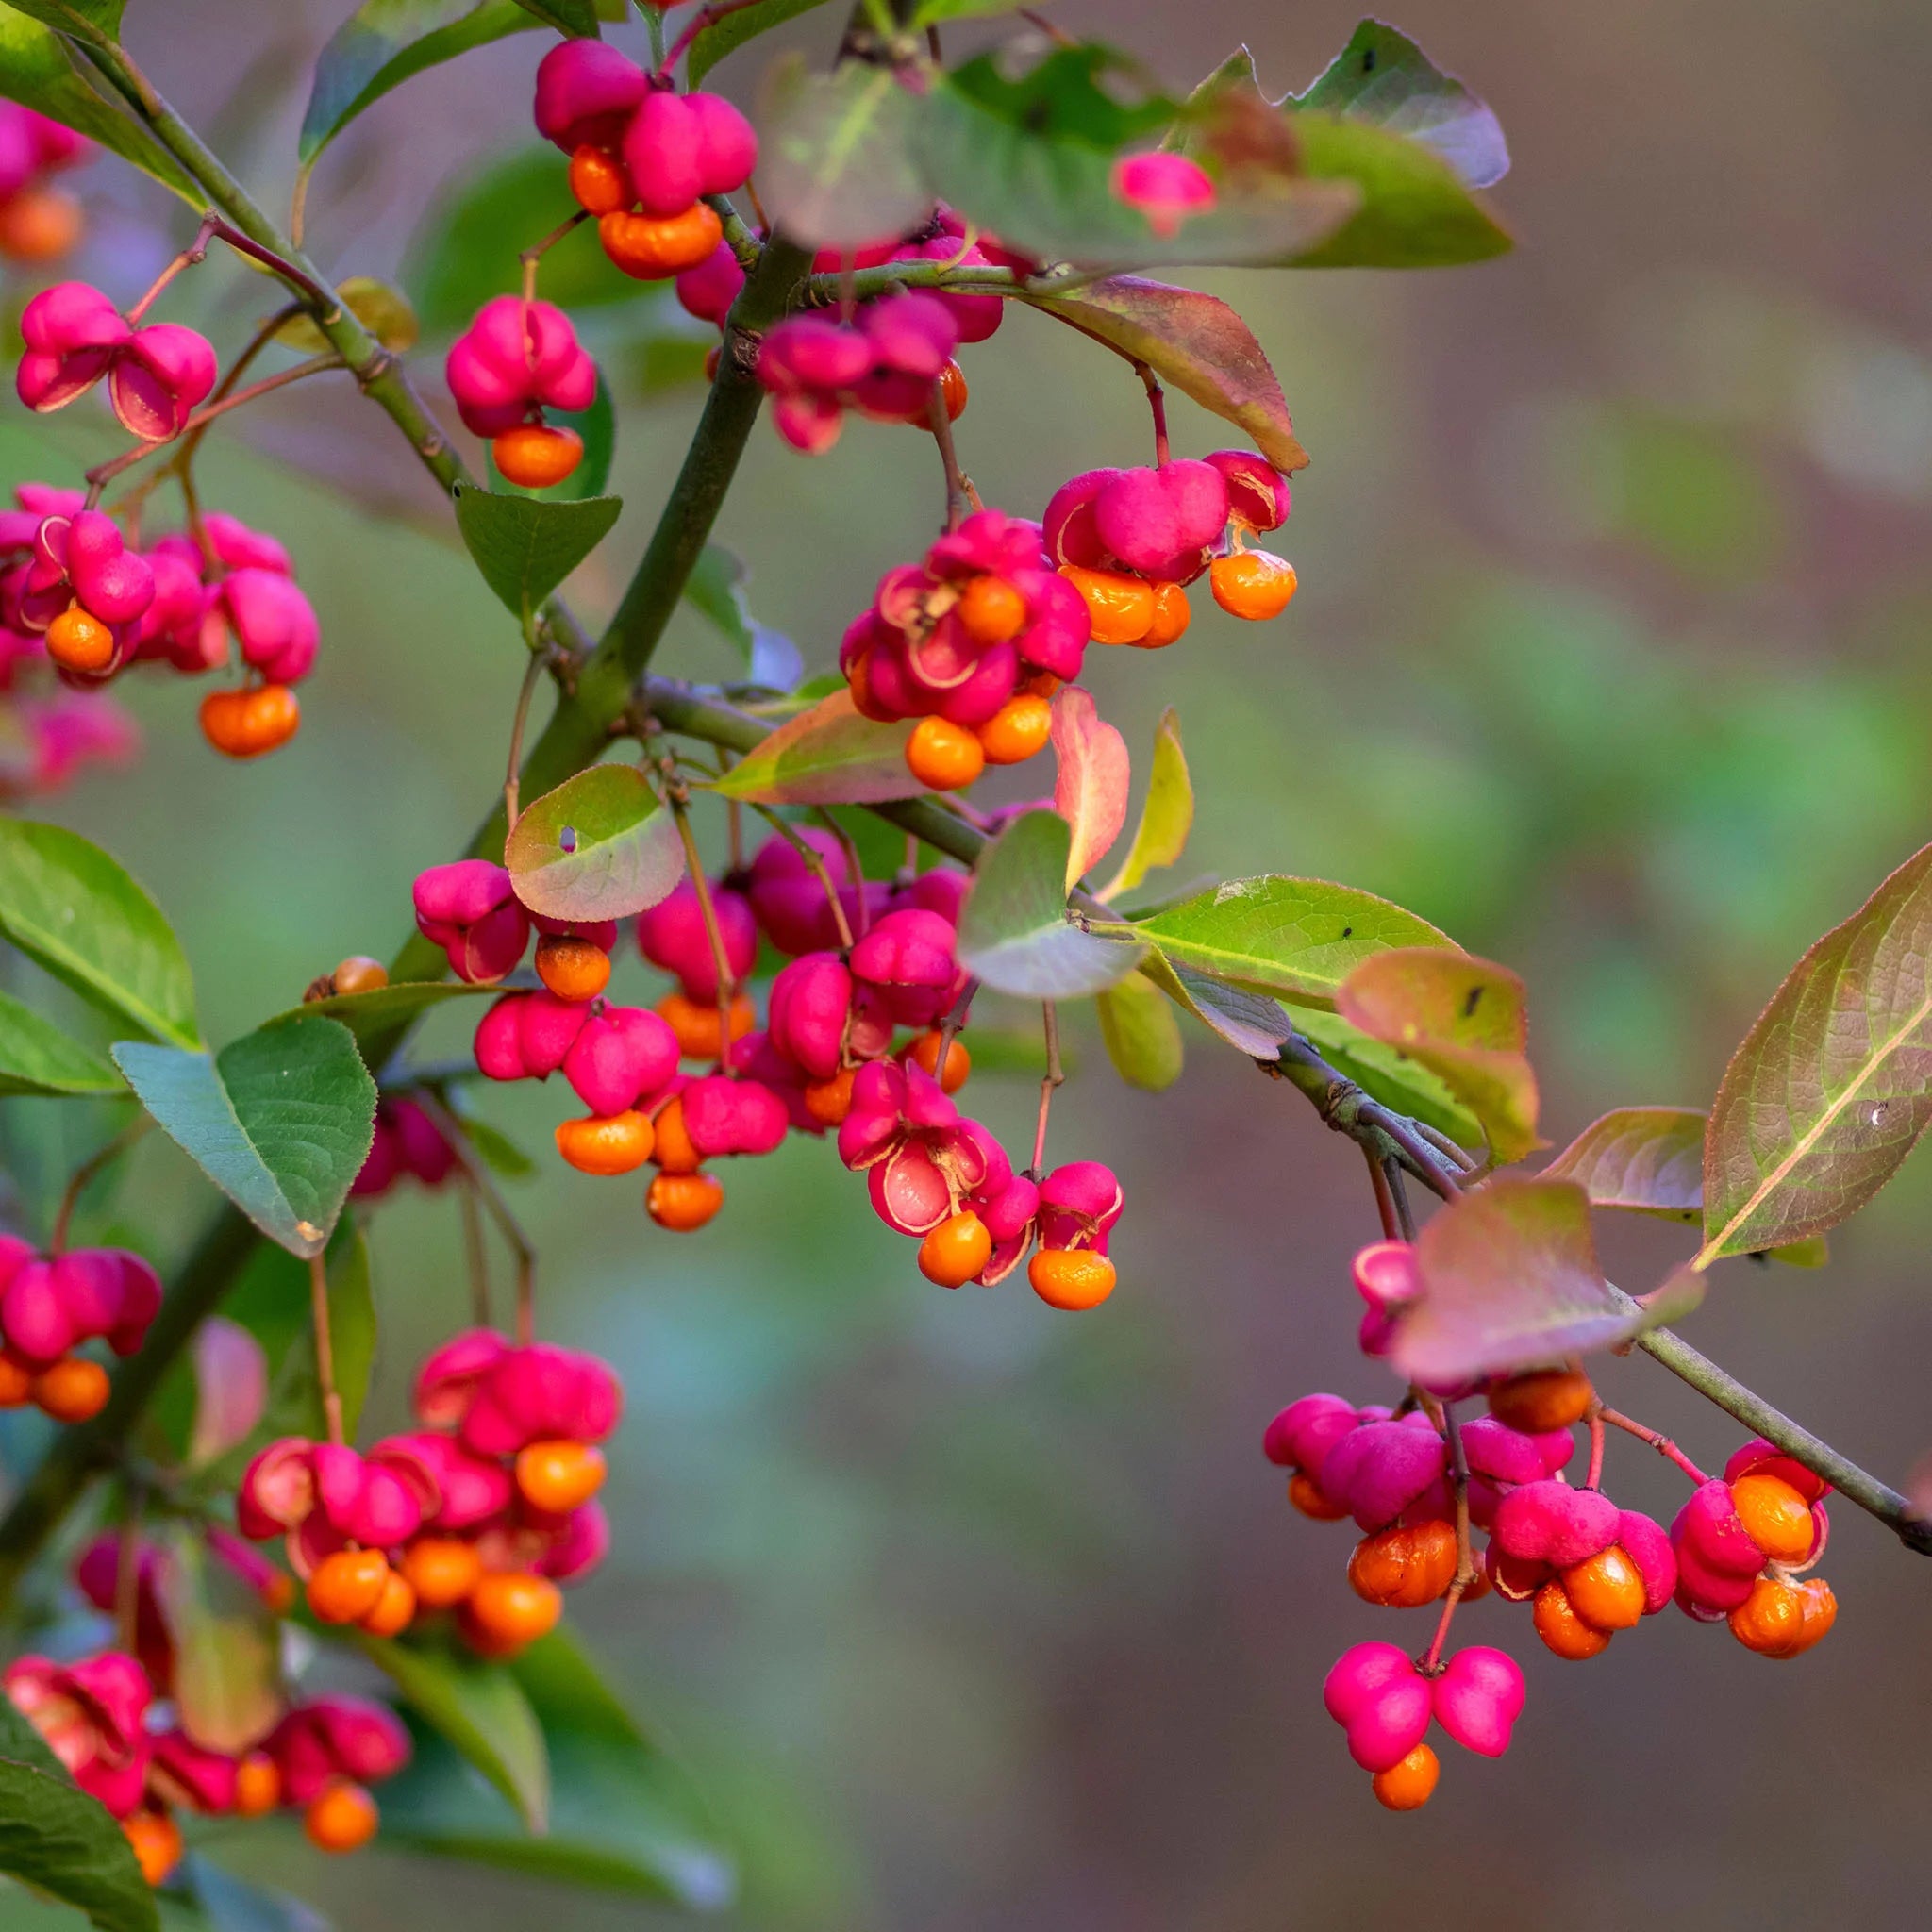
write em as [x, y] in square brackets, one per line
[1157, 404]
[1052, 1080]
[814, 863]
[490, 1195]
[1385, 1201]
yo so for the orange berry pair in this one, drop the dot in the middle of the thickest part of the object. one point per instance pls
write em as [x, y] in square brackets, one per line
[1403, 1566]
[649, 248]
[535, 456]
[1543, 1400]
[72, 1389]
[600, 182]
[1252, 584]
[606, 1144]
[1783, 1617]
[956, 1250]
[829, 1101]
[1071, 1278]
[697, 1024]
[1124, 609]
[945, 757]
[247, 723]
[683, 1203]
[358, 1587]
[1580, 1610]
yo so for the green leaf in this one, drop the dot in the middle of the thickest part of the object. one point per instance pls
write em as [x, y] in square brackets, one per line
[523, 547]
[56, 1838]
[578, 18]
[66, 904]
[272, 1300]
[725, 36]
[385, 43]
[226, 1684]
[716, 590]
[1141, 1035]
[931, 13]
[1509, 1281]
[37, 1057]
[1016, 934]
[600, 847]
[1299, 938]
[479, 1707]
[1167, 813]
[1462, 1018]
[1832, 1086]
[621, 1815]
[837, 166]
[1249, 1023]
[280, 1120]
[1384, 78]
[37, 69]
[597, 426]
[497, 1151]
[465, 251]
[1386, 1073]
[90, 20]
[232, 1905]
[829, 755]
[1032, 161]
[376, 1014]
[1196, 343]
[384, 312]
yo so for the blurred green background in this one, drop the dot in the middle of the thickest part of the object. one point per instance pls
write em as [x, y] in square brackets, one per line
[1608, 658]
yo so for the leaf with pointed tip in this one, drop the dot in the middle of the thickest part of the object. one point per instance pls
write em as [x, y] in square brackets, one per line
[1509, 1281]
[578, 18]
[524, 546]
[726, 35]
[89, 20]
[1832, 1086]
[837, 167]
[600, 847]
[829, 755]
[1140, 1033]
[1462, 1018]
[1090, 776]
[58, 1840]
[480, 1709]
[1196, 343]
[1386, 1073]
[1167, 813]
[715, 589]
[280, 1120]
[37, 71]
[1015, 933]
[1384, 78]
[378, 1012]
[37, 1057]
[65, 904]
[1032, 160]
[227, 1641]
[1298, 938]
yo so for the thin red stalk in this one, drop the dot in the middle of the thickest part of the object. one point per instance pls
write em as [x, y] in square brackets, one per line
[721, 961]
[1157, 404]
[1054, 1079]
[1662, 1444]
[95, 1163]
[959, 491]
[1444, 1416]
[537, 251]
[1385, 1201]
[487, 1191]
[191, 257]
[325, 1348]
[703, 17]
[1594, 1479]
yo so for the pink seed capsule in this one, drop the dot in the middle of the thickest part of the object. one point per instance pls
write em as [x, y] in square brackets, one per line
[1478, 1698]
[1377, 1695]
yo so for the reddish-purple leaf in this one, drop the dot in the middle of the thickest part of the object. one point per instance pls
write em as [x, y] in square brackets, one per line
[1195, 342]
[1463, 1019]
[829, 755]
[230, 1389]
[1090, 787]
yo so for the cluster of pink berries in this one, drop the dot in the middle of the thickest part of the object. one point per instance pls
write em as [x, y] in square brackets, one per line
[644, 157]
[1736, 1550]
[408, 1143]
[516, 359]
[76, 594]
[1131, 540]
[52, 1305]
[481, 1512]
[107, 1718]
[38, 222]
[972, 642]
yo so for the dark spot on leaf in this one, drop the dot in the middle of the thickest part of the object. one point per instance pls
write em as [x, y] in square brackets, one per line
[566, 839]
[1346, 930]
[1369, 62]
[1470, 1004]
[1879, 1114]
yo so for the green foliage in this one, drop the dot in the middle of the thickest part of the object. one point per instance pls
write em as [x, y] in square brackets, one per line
[600, 847]
[231, 1905]
[383, 311]
[480, 1709]
[1386, 1073]
[1298, 938]
[90, 19]
[722, 37]
[376, 1014]
[1832, 1086]
[716, 588]
[37, 1057]
[466, 250]
[829, 755]
[1015, 933]
[578, 18]
[280, 1120]
[1196, 343]
[64, 902]
[1509, 1281]
[37, 69]
[837, 162]
[1464, 1020]
[1140, 1033]
[1167, 813]
[526, 547]
[621, 1815]
[53, 1836]
[1251, 1026]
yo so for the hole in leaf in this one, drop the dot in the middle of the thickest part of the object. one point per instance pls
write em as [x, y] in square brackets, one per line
[1876, 1117]
[566, 839]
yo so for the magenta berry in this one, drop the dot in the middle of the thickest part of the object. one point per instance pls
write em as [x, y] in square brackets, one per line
[587, 92]
[1478, 1698]
[1166, 188]
[468, 909]
[1381, 1700]
[1551, 1523]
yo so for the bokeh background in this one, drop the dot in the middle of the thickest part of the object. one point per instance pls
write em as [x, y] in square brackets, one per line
[1610, 657]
